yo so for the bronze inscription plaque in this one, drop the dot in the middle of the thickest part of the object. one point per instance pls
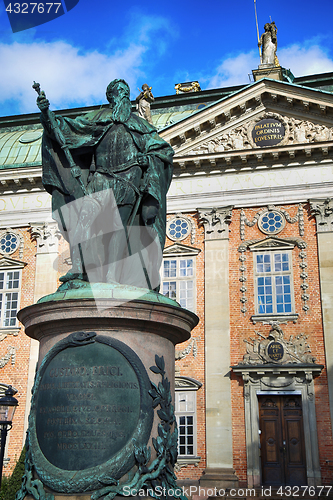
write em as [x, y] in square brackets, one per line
[268, 132]
[88, 406]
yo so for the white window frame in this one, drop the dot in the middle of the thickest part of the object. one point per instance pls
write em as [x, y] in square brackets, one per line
[5, 291]
[190, 396]
[178, 280]
[272, 273]
[183, 253]
[189, 387]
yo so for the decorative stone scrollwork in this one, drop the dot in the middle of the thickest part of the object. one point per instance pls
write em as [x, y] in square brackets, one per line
[216, 221]
[47, 237]
[271, 208]
[192, 346]
[305, 132]
[233, 140]
[187, 87]
[9, 356]
[323, 212]
[276, 349]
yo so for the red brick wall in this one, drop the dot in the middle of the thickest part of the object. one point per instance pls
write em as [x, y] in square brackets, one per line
[310, 323]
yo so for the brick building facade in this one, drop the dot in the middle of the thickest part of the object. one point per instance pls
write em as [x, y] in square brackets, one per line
[248, 249]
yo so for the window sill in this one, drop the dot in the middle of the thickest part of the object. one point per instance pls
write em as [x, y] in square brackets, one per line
[256, 318]
[184, 461]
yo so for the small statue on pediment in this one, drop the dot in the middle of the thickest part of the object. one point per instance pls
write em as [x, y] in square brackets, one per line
[143, 101]
[268, 43]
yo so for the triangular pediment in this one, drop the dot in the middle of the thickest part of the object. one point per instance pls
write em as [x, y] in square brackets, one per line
[271, 243]
[302, 116]
[179, 249]
[6, 262]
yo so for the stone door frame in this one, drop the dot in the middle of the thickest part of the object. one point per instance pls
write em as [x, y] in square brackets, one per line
[292, 379]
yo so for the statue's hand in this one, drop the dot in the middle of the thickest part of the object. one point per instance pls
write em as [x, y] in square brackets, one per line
[143, 160]
[149, 210]
[42, 102]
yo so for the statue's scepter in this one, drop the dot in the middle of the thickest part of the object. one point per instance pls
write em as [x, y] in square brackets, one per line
[255, 13]
[75, 170]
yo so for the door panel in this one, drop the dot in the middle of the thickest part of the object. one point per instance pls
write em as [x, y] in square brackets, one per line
[282, 441]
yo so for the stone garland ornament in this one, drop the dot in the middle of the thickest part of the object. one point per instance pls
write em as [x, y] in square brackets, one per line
[10, 355]
[192, 346]
[271, 208]
[276, 349]
[304, 276]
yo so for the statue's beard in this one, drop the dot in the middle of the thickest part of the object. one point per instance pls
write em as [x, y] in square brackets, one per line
[121, 109]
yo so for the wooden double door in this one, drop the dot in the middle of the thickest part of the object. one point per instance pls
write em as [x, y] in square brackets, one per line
[282, 440]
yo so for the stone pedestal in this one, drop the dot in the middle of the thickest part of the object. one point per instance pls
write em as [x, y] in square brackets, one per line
[268, 71]
[103, 389]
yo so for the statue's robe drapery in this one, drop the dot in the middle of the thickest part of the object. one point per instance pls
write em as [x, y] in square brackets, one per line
[82, 136]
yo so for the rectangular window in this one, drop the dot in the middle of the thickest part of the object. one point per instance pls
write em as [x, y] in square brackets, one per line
[9, 297]
[178, 281]
[186, 421]
[274, 283]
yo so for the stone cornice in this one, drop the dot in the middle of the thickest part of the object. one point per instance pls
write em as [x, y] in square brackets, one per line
[21, 176]
[295, 153]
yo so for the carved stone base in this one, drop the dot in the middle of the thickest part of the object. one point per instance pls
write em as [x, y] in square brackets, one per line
[268, 71]
[106, 368]
[219, 478]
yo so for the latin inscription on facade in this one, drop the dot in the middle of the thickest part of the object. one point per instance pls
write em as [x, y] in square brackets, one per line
[268, 132]
[88, 406]
[275, 351]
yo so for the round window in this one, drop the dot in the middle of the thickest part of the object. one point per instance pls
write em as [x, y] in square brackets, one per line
[271, 222]
[8, 243]
[178, 228]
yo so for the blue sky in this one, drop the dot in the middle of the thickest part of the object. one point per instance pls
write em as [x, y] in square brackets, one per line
[160, 43]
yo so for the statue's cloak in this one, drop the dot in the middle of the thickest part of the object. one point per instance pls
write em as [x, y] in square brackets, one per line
[82, 135]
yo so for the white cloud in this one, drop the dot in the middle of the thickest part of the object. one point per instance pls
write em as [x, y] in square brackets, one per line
[234, 70]
[302, 59]
[305, 60]
[66, 75]
[73, 77]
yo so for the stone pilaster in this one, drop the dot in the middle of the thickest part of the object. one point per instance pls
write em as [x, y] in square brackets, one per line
[219, 471]
[323, 212]
[47, 236]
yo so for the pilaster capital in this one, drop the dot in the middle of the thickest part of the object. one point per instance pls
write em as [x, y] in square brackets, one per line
[47, 236]
[216, 222]
[323, 212]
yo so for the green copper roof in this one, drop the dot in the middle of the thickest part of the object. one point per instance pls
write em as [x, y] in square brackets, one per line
[20, 147]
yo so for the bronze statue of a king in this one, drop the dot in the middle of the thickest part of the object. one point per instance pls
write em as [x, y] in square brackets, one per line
[108, 172]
